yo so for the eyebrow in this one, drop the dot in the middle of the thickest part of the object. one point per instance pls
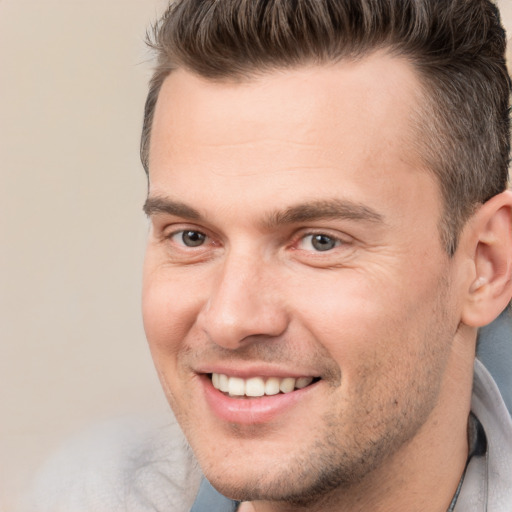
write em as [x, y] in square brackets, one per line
[324, 210]
[156, 205]
[304, 212]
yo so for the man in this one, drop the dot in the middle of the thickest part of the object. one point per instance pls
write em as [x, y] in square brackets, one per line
[330, 232]
[330, 227]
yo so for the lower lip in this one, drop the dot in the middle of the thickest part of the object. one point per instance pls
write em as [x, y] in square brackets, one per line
[251, 411]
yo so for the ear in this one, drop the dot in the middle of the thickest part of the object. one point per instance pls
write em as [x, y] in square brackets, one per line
[489, 239]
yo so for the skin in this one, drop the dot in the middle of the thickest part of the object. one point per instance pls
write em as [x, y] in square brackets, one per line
[377, 317]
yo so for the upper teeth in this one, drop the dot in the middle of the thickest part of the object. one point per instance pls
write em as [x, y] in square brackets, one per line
[258, 386]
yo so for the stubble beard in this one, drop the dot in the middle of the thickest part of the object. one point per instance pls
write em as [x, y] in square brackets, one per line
[341, 463]
[323, 474]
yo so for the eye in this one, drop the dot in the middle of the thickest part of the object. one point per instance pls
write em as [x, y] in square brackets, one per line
[319, 242]
[189, 238]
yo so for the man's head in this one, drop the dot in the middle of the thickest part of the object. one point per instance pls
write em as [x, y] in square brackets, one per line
[456, 47]
[313, 332]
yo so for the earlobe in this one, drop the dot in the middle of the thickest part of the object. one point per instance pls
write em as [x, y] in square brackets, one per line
[491, 239]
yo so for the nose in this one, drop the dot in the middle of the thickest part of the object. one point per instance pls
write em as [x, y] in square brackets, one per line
[245, 304]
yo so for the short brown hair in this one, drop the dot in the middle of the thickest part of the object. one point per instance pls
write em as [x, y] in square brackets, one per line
[456, 46]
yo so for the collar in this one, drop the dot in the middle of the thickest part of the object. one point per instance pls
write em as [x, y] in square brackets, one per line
[477, 447]
[487, 485]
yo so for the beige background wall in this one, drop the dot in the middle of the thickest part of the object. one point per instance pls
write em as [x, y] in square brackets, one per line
[72, 349]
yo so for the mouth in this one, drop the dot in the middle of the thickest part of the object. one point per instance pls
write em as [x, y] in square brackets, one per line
[254, 387]
[254, 399]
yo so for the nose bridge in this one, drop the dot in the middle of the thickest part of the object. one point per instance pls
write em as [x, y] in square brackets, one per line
[243, 302]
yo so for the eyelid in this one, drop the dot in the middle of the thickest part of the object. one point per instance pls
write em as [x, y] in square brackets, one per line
[338, 256]
[170, 229]
[179, 253]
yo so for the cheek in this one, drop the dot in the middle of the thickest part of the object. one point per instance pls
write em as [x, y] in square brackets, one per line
[169, 310]
[370, 319]
[168, 318]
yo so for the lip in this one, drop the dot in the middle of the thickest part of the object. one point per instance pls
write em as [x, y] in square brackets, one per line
[251, 411]
[253, 371]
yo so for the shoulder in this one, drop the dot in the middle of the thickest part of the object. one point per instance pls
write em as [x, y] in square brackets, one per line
[129, 464]
[489, 476]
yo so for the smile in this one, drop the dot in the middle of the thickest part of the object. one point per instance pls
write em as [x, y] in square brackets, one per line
[256, 399]
[258, 386]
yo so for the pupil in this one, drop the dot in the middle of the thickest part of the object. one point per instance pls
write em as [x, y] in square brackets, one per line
[193, 238]
[323, 242]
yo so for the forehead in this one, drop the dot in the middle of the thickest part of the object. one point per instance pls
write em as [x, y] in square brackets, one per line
[349, 120]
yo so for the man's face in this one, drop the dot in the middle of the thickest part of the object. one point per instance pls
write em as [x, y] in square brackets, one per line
[294, 242]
